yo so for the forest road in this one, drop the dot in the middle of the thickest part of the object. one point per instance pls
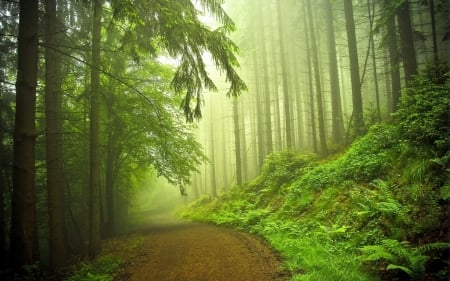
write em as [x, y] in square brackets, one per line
[186, 251]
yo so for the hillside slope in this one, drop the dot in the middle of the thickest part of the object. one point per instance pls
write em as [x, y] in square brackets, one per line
[378, 211]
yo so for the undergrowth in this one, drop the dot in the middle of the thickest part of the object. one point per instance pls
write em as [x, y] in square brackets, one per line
[102, 269]
[378, 211]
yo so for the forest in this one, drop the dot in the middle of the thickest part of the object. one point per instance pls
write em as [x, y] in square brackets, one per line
[312, 135]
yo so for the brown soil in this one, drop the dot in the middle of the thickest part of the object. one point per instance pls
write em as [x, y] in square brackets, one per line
[185, 251]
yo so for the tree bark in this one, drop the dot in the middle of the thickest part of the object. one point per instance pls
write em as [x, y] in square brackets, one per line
[54, 149]
[406, 42]
[23, 220]
[213, 163]
[284, 75]
[358, 119]
[336, 107]
[266, 86]
[237, 143]
[310, 86]
[94, 206]
[433, 32]
[394, 59]
[371, 14]
[315, 59]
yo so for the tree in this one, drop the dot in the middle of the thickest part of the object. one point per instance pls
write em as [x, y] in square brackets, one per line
[358, 120]
[266, 86]
[315, 59]
[371, 15]
[237, 143]
[54, 156]
[284, 71]
[213, 158]
[336, 109]
[24, 248]
[406, 41]
[394, 55]
[310, 85]
[94, 198]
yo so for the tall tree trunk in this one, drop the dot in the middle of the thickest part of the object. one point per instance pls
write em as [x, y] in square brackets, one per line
[354, 69]
[225, 148]
[4, 187]
[336, 108]
[387, 81]
[237, 142]
[23, 220]
[54, 150]
[266, 87]
[315, 58]
[3, 245]
[110, 171]
[406, 41]
[394, 59]
[433, 31]
[274, 91]
[94, 206]
[284, 75]
[310, 85]
[213, 159]
[261, 152]
[244, 154]
[371, 14]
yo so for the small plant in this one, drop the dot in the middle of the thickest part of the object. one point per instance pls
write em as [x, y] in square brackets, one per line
[103, 269]
[402, 256]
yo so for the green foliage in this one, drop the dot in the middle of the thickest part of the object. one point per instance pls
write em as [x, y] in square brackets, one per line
[102, 269]
[423, 114]
[176, 28]
[31, 272]
[401, 256]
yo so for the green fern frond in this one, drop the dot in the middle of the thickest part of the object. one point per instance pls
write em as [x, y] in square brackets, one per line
[402, 268]
[376, 252]
[400, 249]
[430, 247]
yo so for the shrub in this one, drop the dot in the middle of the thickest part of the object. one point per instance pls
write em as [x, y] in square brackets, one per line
[423, 114]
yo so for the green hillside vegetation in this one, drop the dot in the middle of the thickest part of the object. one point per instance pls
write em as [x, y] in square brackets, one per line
[377, 211]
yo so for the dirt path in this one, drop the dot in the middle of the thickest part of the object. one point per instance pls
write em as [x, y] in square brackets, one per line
[184, 251]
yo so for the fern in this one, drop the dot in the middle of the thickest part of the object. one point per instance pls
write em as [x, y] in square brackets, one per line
[401, 256]
[432, 247]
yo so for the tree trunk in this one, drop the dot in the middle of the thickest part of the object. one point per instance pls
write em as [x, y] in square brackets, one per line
[3, 245]
[261, 153]
[4, 188]
[354, 70]
[274, 91]
[284, 75]
[310, 86]
[54, 150]
[244, 154]
[336, 108]
[94, 206]
[110, 183]
[266, 79]
[315, 58]
[23, 220]
[237, 143]
[406, 41]
[213, 160]
[394, 58]
[374, 60]
[433, 32]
